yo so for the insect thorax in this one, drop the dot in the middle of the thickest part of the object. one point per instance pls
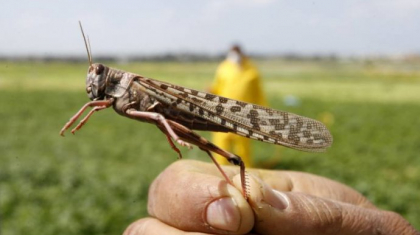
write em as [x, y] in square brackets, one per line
[133, 98]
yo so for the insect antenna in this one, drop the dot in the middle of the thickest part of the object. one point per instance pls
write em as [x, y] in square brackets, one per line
[87, 44]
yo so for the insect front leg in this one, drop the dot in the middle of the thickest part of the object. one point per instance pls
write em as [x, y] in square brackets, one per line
[97, 104]
[208, 147]
[86, 118]
[159, 119]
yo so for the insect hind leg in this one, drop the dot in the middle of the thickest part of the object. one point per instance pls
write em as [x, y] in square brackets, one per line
[237, 161]
[168, 137]
[161, 122]
[208, 147]
[217, 165]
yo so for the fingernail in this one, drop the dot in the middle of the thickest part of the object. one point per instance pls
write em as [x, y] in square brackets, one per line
[276, 199]
[223, 214]
[267, 195]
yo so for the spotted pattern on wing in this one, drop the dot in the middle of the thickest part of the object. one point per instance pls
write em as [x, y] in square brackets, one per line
[249, 120]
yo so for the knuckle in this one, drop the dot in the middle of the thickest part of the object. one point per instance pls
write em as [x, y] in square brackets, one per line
[159, 117]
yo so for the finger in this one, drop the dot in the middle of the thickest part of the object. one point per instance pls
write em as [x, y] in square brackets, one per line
[299, 213]
[193, 196]
[152, 226]
[318, 186]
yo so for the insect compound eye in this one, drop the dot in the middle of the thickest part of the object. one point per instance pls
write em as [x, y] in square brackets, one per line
[99, 69]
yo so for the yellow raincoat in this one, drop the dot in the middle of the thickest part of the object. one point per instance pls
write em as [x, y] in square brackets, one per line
[239, 83]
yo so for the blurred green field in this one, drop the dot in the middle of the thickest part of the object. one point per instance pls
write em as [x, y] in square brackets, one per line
[96, 182]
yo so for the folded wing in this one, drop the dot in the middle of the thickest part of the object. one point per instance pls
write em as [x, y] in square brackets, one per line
[245, 119]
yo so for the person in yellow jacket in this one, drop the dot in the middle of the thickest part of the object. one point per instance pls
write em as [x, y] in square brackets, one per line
[237, 78]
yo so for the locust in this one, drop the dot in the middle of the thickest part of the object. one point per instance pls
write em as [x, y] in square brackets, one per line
[177, 111]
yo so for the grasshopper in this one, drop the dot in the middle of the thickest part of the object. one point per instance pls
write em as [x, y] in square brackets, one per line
[177, 111]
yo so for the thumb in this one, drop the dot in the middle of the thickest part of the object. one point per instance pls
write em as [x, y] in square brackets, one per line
[299, 213]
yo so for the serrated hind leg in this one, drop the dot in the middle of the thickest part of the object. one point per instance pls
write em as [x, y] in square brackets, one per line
[191, 137]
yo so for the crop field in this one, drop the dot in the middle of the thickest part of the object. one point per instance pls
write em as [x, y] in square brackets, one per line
[96, 182]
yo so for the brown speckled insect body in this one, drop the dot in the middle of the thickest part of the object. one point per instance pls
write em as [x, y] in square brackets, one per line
[177, 111]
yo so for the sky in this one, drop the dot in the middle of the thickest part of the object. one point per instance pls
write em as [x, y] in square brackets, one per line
[342, 27]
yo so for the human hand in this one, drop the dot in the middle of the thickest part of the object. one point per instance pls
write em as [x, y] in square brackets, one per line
[191, 197]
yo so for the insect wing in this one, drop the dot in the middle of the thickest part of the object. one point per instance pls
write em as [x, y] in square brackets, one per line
[249, 120]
